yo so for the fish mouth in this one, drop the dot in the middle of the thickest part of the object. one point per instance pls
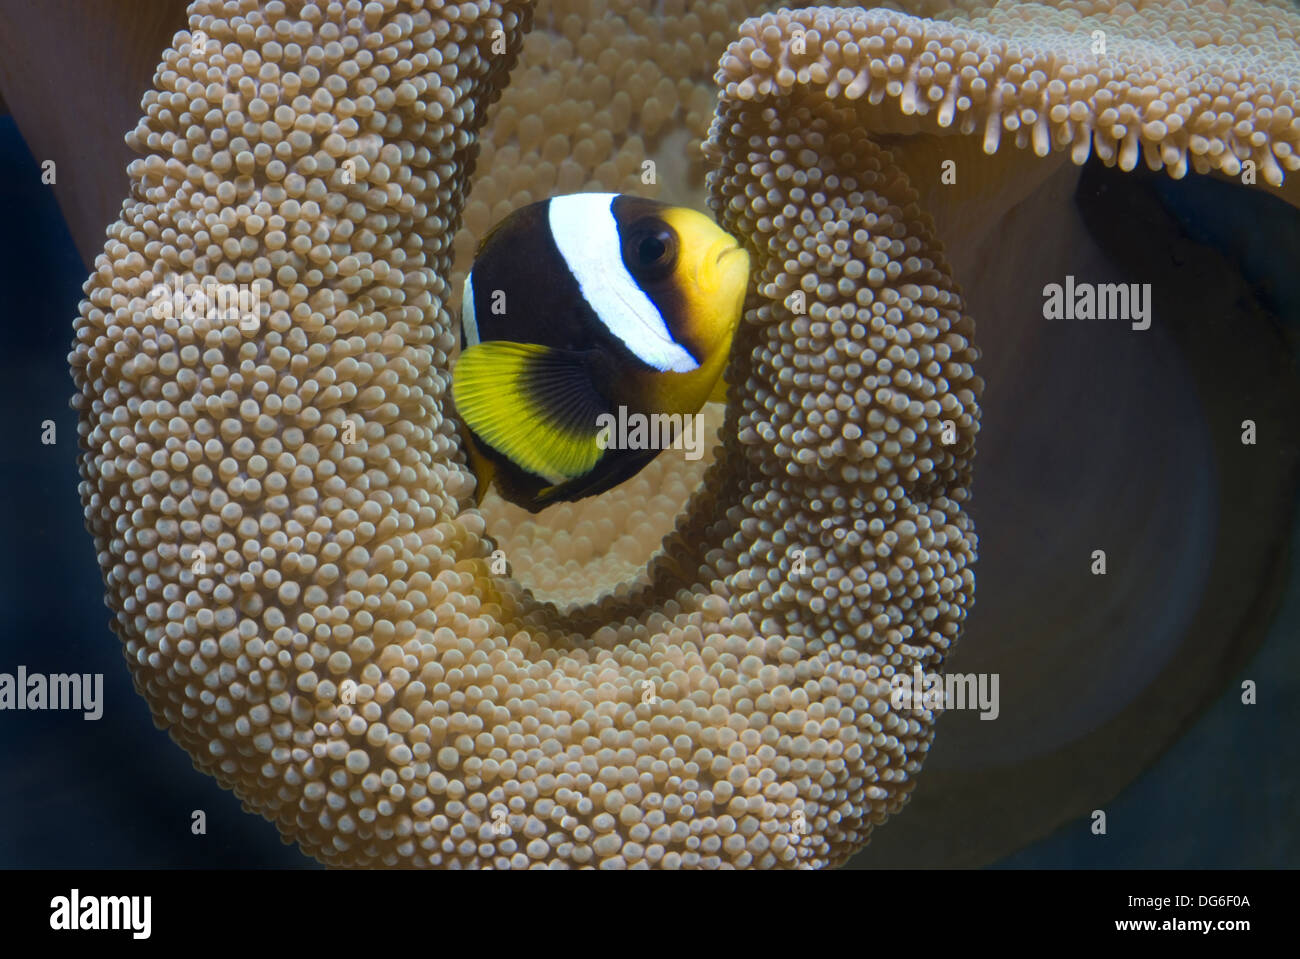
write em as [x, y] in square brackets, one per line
[719, 263]
[733, 248]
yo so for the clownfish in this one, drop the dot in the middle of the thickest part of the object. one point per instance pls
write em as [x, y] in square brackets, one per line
[577, 310]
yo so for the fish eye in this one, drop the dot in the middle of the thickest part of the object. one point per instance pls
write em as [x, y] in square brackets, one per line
[655, 247]
[652, 249]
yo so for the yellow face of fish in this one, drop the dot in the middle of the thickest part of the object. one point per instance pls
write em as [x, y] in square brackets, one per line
[580, 310]
[712, 272]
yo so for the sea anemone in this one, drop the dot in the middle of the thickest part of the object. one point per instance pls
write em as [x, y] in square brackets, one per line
[278, 509]
[305, 595]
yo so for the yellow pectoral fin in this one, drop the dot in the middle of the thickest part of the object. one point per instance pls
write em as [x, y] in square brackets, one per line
[532, 404]
[480, 465]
